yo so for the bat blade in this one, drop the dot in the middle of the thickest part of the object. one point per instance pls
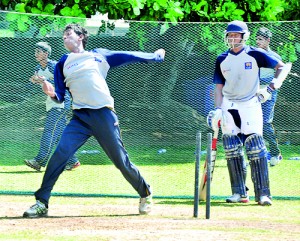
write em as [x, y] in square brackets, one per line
[203, 186]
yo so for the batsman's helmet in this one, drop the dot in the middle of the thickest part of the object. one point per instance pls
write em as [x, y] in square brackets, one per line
[237, 26]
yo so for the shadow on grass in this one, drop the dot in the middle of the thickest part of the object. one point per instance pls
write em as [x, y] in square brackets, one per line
[203, 203]
[22, 172]
[69, 216]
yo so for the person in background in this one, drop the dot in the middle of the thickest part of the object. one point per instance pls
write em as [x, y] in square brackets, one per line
[84, 73]
[263, 39]
[56, 113]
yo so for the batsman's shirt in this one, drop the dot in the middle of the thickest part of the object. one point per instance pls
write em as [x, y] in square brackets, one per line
[239, 72]
[83, 74]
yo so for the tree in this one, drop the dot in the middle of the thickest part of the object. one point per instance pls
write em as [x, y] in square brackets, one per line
[164, 10]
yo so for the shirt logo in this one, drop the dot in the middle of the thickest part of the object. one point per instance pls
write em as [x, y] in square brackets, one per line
[225, 70]
[72, 65]
[98, 60]
[248, 65]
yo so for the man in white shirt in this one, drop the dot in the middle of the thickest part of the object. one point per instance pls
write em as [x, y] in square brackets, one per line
[56, 113]
[84, 73]
[238, 108]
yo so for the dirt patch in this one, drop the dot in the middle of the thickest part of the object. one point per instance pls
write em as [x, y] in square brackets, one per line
[118, 219]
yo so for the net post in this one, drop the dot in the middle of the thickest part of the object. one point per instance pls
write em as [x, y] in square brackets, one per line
[197, 170]
[208, 182]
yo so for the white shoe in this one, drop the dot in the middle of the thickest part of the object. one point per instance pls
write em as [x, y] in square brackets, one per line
[275, 160]
[237, 198]
[265, 201]
[145, 205]
[36, 211]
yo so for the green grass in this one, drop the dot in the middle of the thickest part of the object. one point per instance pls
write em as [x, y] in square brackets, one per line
[171, 174]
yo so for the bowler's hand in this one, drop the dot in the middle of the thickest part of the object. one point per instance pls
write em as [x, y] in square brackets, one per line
[160, 55]
[48, 89]
[36, 79]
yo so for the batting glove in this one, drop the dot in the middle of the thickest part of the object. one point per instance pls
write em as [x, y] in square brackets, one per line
[214, 117]
[264, 94]
[277, 83]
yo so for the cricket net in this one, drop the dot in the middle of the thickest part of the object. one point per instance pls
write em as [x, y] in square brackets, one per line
[160, 106]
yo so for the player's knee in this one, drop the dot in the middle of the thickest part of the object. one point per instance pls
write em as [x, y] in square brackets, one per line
[255, 147]
[63, 152]
[122, 162]
[233, 146]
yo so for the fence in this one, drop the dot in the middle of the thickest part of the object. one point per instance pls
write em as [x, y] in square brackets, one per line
[159, 105]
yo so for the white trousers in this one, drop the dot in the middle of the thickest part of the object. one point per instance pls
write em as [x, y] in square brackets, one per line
[250, 114]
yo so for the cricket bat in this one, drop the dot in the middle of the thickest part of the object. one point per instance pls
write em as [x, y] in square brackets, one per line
[202, 189]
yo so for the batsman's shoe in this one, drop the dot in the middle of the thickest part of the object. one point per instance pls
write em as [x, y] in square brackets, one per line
[145, 205]
[237, 198]
[33, 164]
[70, 167]
[265, 201]
[37, 210]
[275, 160]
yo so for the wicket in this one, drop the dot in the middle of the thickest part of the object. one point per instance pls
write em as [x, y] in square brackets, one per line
[197, 169]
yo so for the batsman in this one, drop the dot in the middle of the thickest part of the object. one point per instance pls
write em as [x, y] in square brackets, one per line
[238, 101]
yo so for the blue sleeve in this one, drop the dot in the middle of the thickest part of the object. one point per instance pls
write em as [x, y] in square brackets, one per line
[120, 58]
[218, 76]
[67, 100]
[275, 55]
[59, 83]
[262, 58]
[51, 66]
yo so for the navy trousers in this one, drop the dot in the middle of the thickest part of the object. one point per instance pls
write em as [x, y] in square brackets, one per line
[104, 126]
[56, 121]
[268, 128]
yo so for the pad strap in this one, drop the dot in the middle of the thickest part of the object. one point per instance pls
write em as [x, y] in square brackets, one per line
[236, 163]
[257, 155]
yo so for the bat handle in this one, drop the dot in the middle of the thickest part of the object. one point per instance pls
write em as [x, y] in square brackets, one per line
[216, 133]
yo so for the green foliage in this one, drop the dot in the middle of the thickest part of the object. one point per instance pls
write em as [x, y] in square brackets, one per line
[20, 7]
[287, 52]
[137, 5]
[19, 22]
[168, 11]
[72, 11]
[39, 24]
[271, 10]
[5, 2]
[165, 10]
[228, 11]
